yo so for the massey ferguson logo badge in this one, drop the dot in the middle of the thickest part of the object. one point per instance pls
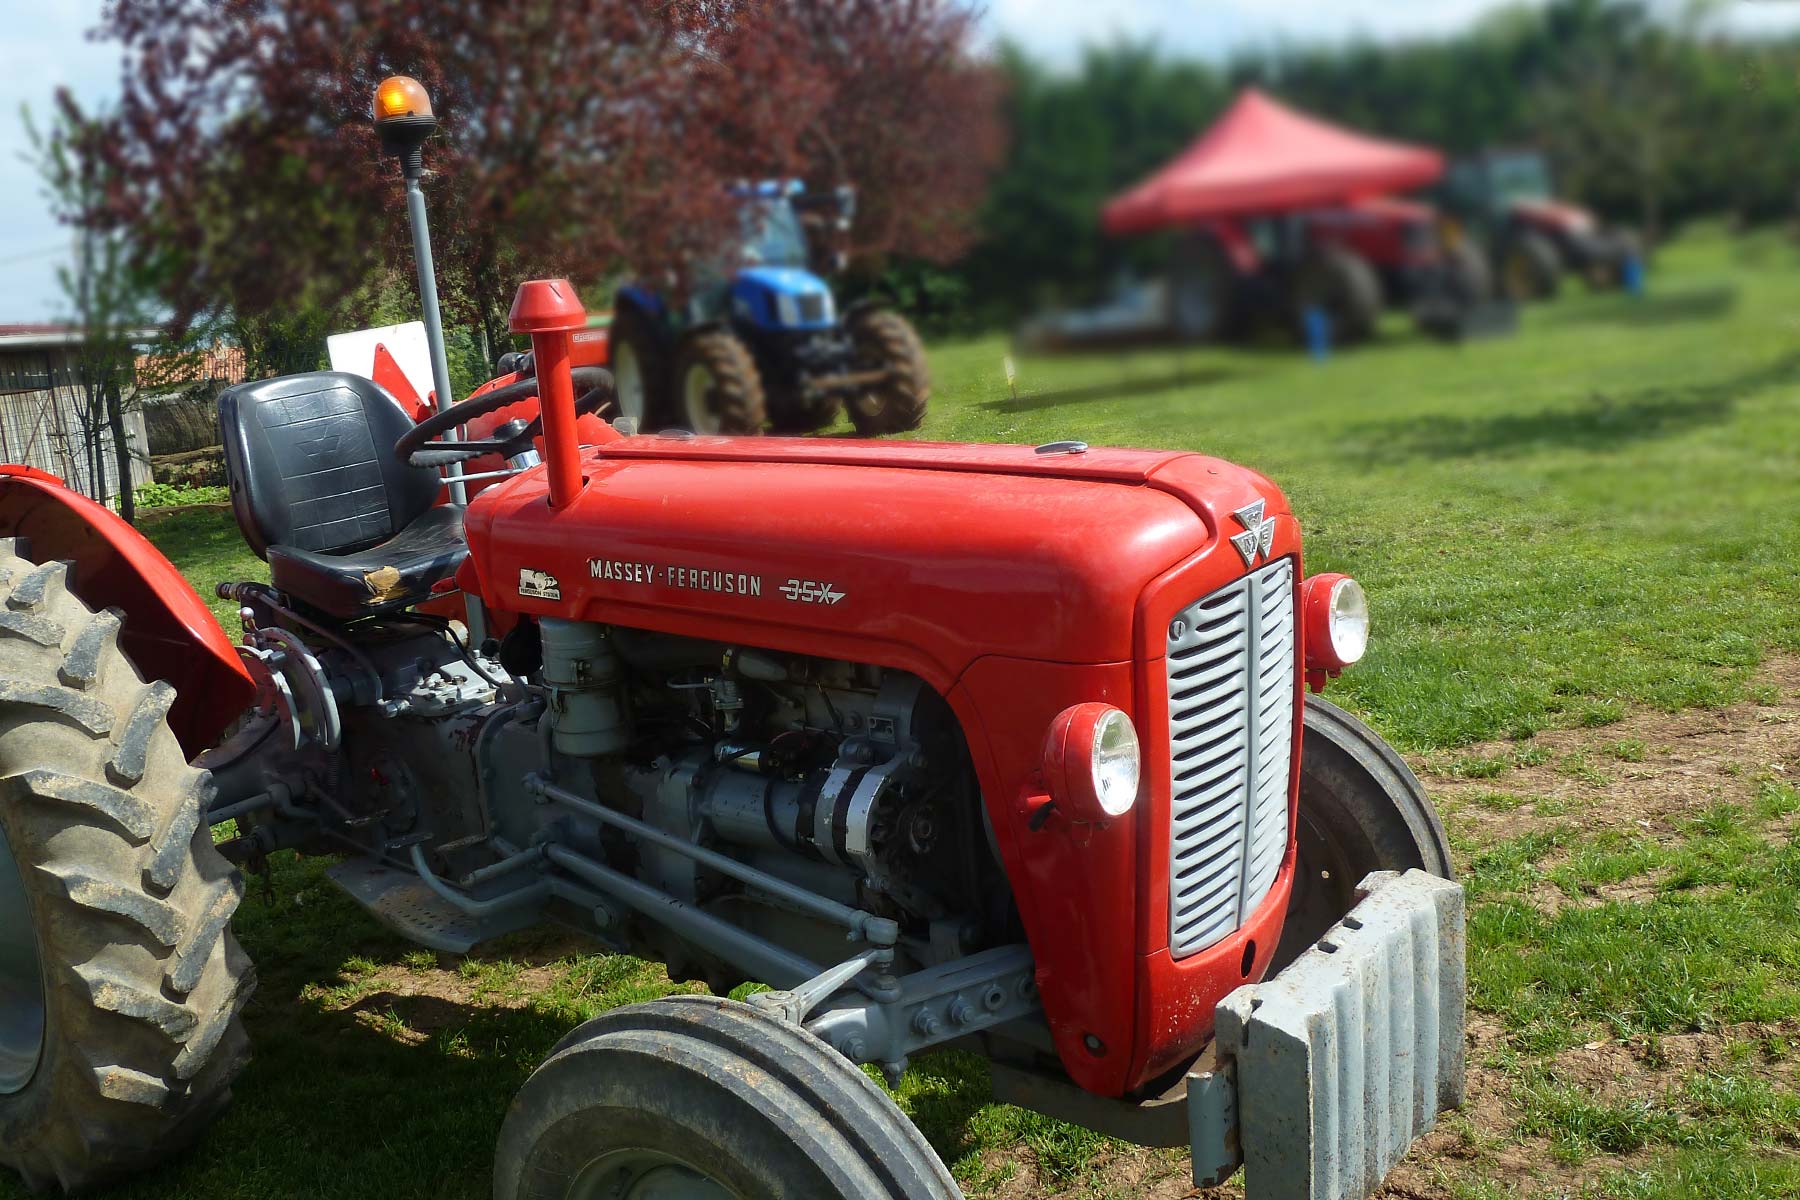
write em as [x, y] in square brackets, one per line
[1258, 535]
[805, 591]
[539, 585]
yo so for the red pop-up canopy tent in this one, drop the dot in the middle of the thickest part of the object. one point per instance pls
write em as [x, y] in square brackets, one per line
[1262, 157]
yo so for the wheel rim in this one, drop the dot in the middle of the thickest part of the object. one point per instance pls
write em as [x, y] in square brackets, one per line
[697, 395]
[21, 981]
[644, 1175]
[628, 382]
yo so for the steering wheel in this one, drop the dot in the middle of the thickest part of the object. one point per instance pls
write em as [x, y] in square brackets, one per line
[420, 447]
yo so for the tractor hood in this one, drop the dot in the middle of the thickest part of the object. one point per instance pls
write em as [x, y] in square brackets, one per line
[914, 555]
[785, 281]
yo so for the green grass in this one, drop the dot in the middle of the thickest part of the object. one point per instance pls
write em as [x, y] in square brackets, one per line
[1594, 514]
[1594, 517]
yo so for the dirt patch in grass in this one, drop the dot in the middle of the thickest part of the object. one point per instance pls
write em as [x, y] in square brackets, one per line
[1649, 773]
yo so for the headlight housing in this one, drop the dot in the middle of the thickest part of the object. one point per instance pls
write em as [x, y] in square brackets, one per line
[1092, 762]
[1337, 622]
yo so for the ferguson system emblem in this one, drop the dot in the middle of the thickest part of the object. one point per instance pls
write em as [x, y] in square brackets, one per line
[1258, 535]
[539, 585]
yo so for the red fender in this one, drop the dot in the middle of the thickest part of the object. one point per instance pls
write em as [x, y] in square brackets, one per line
[168, 630]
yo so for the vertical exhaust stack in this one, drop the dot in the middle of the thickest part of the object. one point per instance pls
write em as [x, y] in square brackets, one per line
[404, 119]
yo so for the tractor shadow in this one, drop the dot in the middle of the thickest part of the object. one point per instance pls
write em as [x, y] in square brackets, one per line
[1599, 424]
[380, 1070]
[1123, 389]
[1658, 308]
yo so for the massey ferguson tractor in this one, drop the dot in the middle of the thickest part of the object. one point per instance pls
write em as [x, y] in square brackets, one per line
[1007, 748]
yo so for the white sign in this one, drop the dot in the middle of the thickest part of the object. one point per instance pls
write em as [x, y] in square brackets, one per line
[355, 352]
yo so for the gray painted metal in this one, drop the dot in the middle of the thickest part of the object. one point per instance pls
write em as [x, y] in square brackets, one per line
[932, 1006]
[763, 960]
[877, 931]
[405, 903]
[1231, 676]
[434, 319]
[1348, 1055]
[21, 980]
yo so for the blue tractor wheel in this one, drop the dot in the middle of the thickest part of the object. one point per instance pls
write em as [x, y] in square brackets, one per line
[717, 389]
[885, 342]
[640, 368]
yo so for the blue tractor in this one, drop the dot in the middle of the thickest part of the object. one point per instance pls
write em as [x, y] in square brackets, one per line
[760, 341]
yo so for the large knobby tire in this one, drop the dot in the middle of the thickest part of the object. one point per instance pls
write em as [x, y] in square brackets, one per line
[1361, 809]
[1530, 267]
[1467, 278]
[885, 341]
[640, 368]
[117, 899]
[717, 387]
[709, 1098]
[1345, 287]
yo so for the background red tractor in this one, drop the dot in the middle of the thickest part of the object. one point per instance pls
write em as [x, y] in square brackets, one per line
[1281, 220]
[1003, 746]
[1508, 200]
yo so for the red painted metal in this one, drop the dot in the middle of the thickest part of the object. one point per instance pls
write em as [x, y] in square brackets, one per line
[1016, 584]
[550, 311]
[168, 630]
[386, 371]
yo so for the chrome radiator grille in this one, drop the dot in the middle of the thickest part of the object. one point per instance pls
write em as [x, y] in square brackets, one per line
[1231, 675]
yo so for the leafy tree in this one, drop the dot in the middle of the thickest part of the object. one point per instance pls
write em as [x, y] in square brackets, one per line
[578, 137]
[111, 306]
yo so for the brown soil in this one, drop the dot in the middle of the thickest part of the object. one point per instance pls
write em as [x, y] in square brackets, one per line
[1692, 760]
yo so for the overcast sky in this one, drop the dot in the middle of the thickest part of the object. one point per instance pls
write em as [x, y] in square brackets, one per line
[45, 47]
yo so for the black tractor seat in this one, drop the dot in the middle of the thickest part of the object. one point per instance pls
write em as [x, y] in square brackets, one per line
[347, 529]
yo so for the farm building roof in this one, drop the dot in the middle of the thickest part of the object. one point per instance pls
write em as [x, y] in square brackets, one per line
[1261, 157]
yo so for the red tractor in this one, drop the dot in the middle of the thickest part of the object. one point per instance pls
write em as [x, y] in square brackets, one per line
[1006, 747]
[1347, 263]
[1507, 198]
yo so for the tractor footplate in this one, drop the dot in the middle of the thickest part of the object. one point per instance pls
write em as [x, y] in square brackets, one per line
[401, 901]
[1332, 1069]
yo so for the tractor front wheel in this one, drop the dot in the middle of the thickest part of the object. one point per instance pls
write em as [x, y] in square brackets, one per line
[120, 982]
[717, 384]
[1361, 810]
[885, 341]
[640, 372]
[707, 1099]
[1530, 268]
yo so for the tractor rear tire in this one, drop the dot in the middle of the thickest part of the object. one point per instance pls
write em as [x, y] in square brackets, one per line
[717, 387]
[115, 946]
[1361, 809]
[886, 341]
[702, 1096]
[640, 369]
[1530, 268]
[1345, 287]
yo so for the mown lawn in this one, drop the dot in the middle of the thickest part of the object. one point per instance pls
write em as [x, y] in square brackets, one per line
[1581, 547]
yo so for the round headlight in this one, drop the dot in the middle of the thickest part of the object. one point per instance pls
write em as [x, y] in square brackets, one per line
[1115, 764]
[1092, 761]
[1337, 622]
[1349, 621]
